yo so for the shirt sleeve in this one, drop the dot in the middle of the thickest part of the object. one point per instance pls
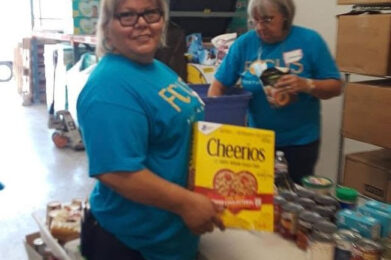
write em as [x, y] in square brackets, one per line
[229, 70]
[324, 66]
[115, 138]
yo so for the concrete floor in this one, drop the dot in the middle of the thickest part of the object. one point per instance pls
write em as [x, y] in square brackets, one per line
[34, 171]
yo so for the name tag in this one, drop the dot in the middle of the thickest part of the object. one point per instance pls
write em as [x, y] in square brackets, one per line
[292, 56]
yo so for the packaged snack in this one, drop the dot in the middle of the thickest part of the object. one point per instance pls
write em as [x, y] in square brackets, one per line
[234, 166]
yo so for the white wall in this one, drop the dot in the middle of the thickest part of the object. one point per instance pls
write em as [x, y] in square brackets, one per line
[321, 16]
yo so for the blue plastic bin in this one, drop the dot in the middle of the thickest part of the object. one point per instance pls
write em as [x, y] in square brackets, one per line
[231, 108]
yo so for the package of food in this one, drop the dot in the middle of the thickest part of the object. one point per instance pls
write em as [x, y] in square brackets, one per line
[234, 166]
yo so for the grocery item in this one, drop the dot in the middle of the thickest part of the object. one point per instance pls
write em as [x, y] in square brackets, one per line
[379, 206]
[305, 193]
[326, 212]
[368, 227]
[318, 184]
[386, 244]
[234, 167]
[327, 201]
[281, 175]
[278, 203]
[289, 196]
[344, 240]
[366, 249]
[289, 220]
[321, 245]
[305, 225]
[382, 217]
[308, 204]
[347, 197]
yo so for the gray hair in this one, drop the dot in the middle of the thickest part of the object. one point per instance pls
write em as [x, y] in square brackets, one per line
[285, 7]
[106, 14]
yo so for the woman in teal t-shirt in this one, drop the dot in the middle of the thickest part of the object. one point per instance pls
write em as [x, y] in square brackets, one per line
[136, 117]
[275, 42]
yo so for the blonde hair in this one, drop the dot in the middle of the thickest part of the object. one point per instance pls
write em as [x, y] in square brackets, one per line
[106, 14]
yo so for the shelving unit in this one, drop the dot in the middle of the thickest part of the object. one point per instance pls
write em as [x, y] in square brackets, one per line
[365, 104]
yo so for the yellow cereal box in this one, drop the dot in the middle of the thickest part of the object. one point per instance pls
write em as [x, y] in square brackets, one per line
[234, 166]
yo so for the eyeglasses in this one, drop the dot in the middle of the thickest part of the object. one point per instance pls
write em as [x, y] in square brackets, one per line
[264, 20]
[127, 19]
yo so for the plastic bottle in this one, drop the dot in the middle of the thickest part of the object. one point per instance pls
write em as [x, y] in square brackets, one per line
[281, 175]
[347, 197]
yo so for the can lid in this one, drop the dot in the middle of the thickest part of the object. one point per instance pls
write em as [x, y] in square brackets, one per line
[346, 193]
[316, 182]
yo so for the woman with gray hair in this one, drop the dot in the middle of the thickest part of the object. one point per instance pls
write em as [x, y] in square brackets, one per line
[135, 116]
[274, 42]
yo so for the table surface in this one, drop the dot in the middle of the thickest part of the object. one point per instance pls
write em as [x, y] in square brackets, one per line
[234, 244]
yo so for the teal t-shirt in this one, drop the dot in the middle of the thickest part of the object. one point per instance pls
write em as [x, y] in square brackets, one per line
[307, 55]
[133, 117]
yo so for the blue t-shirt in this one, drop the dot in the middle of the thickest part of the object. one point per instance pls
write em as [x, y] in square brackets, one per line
[307, 55]
[134, 117]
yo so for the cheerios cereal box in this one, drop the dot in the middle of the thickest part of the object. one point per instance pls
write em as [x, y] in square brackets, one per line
[234, 166]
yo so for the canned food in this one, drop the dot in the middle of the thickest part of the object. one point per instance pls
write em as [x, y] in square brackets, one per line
[289, 220]
[305, 193]
[307, 203]
[39, 245]
[289, 196]
[344, 240]
[321, 246]
[325, 212]
[278, 203]
[304, 228]
[327, 201]
[386, 243]
[366, 249]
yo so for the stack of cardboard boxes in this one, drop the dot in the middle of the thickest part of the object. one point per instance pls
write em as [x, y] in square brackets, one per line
[85, 16]
[364, 47]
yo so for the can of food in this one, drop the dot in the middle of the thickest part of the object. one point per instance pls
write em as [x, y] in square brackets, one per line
[289, 220]
[304, 227]
[289, 196]
[321, 245]
[39, 245]
[327, 201]
[344, 240]
[325, 212]
[78, 202]
[278, 203]
[366, 249]
[305, 193]
[318, 184]
[307, 203]
[386, 243]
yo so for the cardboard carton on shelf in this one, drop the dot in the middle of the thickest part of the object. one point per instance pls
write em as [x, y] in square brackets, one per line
[366, 113]
[353, 2]
[370, 173]
[364, 44]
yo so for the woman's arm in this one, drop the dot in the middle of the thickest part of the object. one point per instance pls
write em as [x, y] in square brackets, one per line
[216, 89]
[323, 89]
[196, 210]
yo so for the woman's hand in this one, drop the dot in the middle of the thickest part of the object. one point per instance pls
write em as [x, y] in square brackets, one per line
[200, 214]
[293, 84]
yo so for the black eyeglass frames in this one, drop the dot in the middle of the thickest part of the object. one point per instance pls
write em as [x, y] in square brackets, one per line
[130, 18]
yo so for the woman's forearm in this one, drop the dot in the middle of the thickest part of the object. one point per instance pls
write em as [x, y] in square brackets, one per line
[324, 89]
[216, 89]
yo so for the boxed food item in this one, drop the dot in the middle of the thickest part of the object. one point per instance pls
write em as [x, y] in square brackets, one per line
[85, 8]
[234, 166]
[386, 208]
[349, 2]
[366, 115]
[382, 217]
[364, 44]
[367, 226]
[370, 173]
[200, 74]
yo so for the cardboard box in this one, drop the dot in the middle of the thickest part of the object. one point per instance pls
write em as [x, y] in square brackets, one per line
[364, 44]
[370, 173]
[366, 115]
[32, 253]
[351, 2]
[234, 167]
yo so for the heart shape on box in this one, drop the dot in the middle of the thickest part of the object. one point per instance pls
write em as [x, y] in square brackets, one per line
[85, 9]
[230, 184]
